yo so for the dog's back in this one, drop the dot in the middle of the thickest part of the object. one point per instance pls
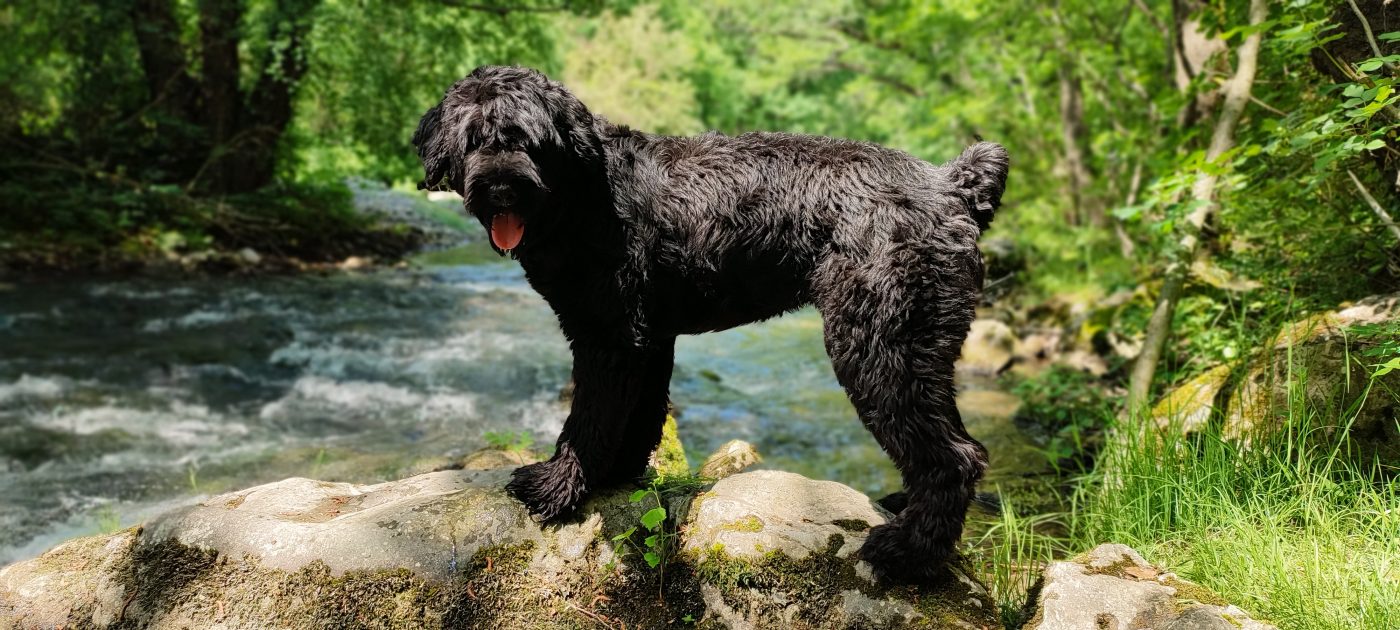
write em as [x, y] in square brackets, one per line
[738, 225]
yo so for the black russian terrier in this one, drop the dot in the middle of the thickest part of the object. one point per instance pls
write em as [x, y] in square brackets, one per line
[634, 238]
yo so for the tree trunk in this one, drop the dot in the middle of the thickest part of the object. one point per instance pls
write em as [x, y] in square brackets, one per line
[1203, 191]
[270, 109]
[245, 128]
[219, 23]
[1360, 21]
[1192, 52]
[163, 61]
[1073, 133]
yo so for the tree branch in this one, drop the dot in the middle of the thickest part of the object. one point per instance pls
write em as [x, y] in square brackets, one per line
[1157, 22]
[1370, 38]
[1203, 192]
[1375, 206]
[500, 10]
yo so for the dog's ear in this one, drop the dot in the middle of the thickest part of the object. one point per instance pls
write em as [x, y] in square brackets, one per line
[433, 149]
[981, 171]
[575, 125]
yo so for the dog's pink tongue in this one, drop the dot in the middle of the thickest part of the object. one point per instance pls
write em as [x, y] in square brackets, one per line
[506, 230]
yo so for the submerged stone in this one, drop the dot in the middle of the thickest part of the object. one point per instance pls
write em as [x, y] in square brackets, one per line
[989, 347]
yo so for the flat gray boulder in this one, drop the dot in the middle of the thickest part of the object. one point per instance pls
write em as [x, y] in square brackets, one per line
[1113, 587]
[451, 549]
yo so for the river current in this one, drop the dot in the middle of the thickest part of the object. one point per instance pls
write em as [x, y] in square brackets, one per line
[122, 398]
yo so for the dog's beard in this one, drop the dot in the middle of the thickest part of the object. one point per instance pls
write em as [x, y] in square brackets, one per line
[507, 228]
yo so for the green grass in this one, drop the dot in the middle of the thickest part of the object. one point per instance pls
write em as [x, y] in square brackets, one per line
[1284, 528]
[1287, 527]
[1012, 554]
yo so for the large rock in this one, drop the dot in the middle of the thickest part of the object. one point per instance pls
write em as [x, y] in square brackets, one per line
[778, 551]
[1113, 587]
[1327, 354]
[451, 549]
[1191, 406]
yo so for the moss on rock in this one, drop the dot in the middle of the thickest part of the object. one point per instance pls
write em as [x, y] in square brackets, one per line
[851, 524]
[669, 458]
[778, 587]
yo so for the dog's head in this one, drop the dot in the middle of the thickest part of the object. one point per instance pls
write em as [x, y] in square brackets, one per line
[513, 144]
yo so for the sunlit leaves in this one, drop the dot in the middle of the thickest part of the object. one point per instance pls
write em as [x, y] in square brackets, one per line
[377, 65]
[653, 518]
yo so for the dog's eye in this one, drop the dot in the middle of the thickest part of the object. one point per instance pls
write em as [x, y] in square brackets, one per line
[513, 137]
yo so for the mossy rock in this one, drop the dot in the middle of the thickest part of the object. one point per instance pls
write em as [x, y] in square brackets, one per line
[452, 549]
[669, 459]
[1112, 586]
[1316, 367]
[776, 549]
[1191, 406]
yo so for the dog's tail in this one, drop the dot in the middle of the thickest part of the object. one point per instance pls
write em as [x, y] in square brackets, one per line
[981, 172]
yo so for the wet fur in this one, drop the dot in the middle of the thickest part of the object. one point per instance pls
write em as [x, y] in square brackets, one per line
[634, 238]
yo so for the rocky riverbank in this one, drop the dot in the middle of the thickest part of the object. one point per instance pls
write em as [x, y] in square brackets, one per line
[346, 228]
[761, 549]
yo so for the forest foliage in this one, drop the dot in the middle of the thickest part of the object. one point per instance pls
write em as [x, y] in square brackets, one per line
[143, 125]
[138, 129]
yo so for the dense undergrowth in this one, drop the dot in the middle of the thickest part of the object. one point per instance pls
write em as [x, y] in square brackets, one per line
[1290, 525]
[88, 224]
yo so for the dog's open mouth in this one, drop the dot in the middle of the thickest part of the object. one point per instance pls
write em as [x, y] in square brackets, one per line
[507, 228]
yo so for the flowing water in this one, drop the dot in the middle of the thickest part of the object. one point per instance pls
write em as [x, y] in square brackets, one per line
[123, 398]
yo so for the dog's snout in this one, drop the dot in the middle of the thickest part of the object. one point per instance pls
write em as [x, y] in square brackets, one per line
[502, 195]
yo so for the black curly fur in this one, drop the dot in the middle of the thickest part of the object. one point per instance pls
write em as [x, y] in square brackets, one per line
[634, 238]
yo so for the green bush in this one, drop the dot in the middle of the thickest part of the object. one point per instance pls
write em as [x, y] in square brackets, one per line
[1067, 407]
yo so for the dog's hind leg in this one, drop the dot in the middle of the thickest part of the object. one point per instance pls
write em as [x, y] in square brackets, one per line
[648, 415]
[894, 328]
[608, 384]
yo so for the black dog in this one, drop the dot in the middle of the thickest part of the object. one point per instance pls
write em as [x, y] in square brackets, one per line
[636, 238]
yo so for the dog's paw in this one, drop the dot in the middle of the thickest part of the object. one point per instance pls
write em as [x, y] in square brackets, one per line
[549, 489]
[895, 558]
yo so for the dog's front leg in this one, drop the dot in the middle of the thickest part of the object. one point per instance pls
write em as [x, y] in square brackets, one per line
[607, 382]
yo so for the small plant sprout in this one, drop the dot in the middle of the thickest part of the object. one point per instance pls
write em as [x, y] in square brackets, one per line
[655, 546]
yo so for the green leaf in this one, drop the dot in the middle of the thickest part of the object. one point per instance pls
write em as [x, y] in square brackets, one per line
[652, 541]
[624, 535]
[1128, 213]
[1389, 37]
[652, 558]
[653, 518]
[1387, 367]
[1370, 65]
[638, 495]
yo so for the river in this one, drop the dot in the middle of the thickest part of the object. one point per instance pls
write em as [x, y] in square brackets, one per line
[122, 398]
